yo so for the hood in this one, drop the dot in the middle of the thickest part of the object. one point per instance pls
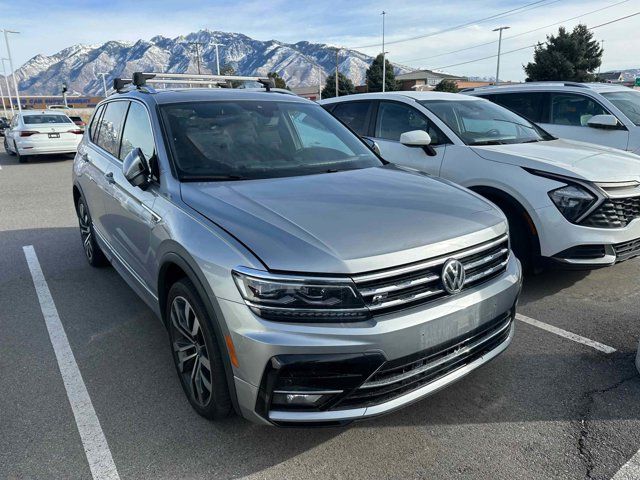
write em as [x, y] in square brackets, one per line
[582, 160]
[346, 222]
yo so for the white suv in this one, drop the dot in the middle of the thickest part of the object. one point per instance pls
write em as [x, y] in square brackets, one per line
[573, 202]
[599, 113]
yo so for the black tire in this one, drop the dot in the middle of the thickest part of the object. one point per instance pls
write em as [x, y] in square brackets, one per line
[195, 352]
[21, 158]
[6, 147]
[92, 251]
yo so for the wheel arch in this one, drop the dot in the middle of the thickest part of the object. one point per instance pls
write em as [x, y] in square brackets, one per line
[505, 199]
[175, 265]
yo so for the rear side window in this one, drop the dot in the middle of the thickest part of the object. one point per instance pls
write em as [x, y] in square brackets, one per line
[39, 119]
[573, 109]
[534, 106]
[111, 126]
[137, 133]
[355, 115]
[95, 123]
[394, 119]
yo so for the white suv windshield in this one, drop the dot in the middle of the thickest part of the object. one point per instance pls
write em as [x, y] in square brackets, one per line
[259, 139]
[484, 123]
[627, 102]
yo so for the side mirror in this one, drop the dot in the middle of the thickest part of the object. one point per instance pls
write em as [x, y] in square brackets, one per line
[372, 145]
[135, 168]
[603, 121]
[420, 139]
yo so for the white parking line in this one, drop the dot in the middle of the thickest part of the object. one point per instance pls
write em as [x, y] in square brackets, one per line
[563, 333]
[93, 439]
[630, 470]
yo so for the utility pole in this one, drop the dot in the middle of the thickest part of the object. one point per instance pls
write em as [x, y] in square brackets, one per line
[13, 72]
[6, 81]
[197, 45]
[104, 83]
[384, 60]
[319, 83]
[4, 107]
[337, 81]
[600, 66]
[218, 56]
[64, 94]
[499, 29]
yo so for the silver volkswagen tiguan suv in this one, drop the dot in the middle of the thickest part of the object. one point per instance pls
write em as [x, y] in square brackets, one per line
[302, 279]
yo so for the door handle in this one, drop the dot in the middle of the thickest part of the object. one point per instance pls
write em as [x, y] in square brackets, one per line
[109, 177]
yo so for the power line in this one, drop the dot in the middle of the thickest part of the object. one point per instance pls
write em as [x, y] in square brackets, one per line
[532, 46]
[535, 4]
[517, 35]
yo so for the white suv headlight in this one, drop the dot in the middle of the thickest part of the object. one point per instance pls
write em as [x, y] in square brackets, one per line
[573, 201]
[299, 299]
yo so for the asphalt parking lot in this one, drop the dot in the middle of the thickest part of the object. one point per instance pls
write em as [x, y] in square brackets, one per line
[550, 407]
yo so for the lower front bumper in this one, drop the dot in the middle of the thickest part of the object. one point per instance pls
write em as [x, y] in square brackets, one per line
[347, 415]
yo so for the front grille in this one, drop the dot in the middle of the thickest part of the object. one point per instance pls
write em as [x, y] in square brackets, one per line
[583, 252]
[417, 283]
[399, 377]
[627, 250]
[614, 213]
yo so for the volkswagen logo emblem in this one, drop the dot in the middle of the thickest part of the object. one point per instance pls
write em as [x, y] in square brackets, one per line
[453, 276]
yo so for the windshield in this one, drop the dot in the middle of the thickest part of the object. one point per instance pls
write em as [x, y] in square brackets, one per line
[39, 119]
[260, 139]
[627, 102]
[480, 122]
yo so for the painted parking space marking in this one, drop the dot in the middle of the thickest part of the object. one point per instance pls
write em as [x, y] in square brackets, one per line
[564, 333]
[630, 470]
[93, 439]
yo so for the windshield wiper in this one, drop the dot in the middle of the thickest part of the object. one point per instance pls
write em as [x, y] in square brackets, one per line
[211, 178]
[489, 142]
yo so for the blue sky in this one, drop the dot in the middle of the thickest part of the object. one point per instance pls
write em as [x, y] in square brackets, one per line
[47, 27]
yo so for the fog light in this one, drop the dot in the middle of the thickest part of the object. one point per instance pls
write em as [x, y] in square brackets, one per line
[301, 399]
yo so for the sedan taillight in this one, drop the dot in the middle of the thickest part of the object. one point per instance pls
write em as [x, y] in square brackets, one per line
[28, 133]
[78, 131]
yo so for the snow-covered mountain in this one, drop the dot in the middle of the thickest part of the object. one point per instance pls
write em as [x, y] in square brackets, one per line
[300, 64]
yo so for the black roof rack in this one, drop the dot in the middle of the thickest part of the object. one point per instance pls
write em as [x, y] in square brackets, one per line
[141, 80]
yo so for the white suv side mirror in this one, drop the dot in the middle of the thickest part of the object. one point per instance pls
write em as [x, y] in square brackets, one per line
[603, 121]
[415, 138]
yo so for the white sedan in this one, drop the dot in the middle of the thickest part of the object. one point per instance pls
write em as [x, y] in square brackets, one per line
[41, 133]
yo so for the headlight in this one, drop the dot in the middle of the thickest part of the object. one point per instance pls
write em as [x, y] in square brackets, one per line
[298, 299]
[573, 201]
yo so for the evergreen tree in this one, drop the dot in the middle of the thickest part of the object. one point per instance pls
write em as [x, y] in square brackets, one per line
[567, 56]
[374, 76]
[446, 85]
[278, 80]
[345, 86]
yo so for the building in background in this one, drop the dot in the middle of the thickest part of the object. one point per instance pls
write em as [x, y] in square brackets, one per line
[423, 79]
[41, 102]
[311, 93]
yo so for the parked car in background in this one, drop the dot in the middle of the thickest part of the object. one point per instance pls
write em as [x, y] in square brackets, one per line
[41, 133]
[59, 107]
[303, 280]
[78, 121]
[599, 113]
[4, 124]
[569, 202]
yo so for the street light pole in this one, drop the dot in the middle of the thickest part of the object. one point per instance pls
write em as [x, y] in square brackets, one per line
[384, 58]
[13, 72]
[337, 81]
[218, 56]
[6, 81]
[104, 83]
[499, 29]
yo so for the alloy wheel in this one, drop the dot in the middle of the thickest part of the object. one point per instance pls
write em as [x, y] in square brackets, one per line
[85, 230]
[190, 349]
